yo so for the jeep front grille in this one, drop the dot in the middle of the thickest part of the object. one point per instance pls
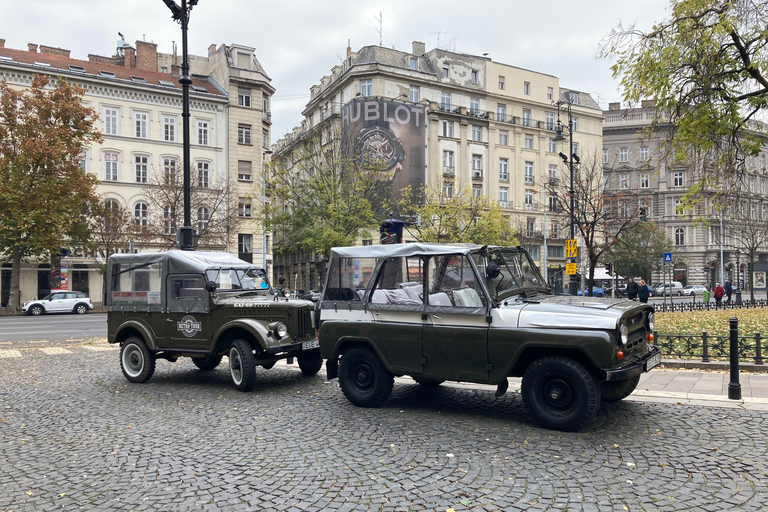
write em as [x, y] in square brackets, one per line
[304, 324]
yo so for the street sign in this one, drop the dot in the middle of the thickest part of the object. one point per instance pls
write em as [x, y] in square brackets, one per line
[667, 257]
[570, 269]
[571, 249]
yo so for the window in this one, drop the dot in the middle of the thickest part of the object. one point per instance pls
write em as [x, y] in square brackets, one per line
[552, 146]
[170, 165]
[447, 128]
[244, 134]
[624, 181]
[169, 128]
[448, 161]
[141, 124]
[501, 111]
[679, 236]
[643, 153]
[477, 166]
[203, 174]
[245, 243]
[526, 117]
[169, 220]
[501, 82]
[474, 106]
[244, 170]
[552, 204]
[111, 166]
[503, 137]
[575, 148]
[528, 141]
[265, 102]
[243, 97]
[677, 207]
[605, 156]
[552, 172]
[550, 121]
[366, 243]
[445, 101]
[623, 155]
[575, 123]
[413, 63]
[573, 97]
[554, 228]
[366, 87]
[413, 93]
[141, 168]
[645, 180]
[475, 77]
[555, 251]
[504, 169]
[448, 188]
[529, 173]
[677, 179]
[504, 196]
[445, 72]
[203, 218]
[530, 227]
[528, 199]
[111, 121]
[550, 93]
[244, 208]
[84, 160]
[265, 139]
[477, 190]
[526, 88]
[477, 133]
[141, 214]
[202, 133]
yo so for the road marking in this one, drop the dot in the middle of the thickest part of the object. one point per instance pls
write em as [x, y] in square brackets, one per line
[76, 340]
[55, 351]
[101, 349]
[9, 352]
[41, 341]
[5, 342]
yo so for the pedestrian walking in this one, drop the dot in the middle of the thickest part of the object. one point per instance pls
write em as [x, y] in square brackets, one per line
[632, 289]
[642, 292]
[728, 290]
[719, 292]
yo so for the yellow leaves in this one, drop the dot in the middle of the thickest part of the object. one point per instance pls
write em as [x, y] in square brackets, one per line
[715, 323]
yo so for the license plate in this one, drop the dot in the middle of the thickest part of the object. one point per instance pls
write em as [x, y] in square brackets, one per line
[308, 345]
[654, 360]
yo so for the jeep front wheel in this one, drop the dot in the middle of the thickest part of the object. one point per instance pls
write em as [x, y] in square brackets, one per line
[242, 366]
[560, 393]
[310, 361]
[364, 379]
[137, 362]
[207, 363]
[618, 390]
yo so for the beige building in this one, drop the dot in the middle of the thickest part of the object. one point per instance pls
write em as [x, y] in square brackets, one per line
[490, 129]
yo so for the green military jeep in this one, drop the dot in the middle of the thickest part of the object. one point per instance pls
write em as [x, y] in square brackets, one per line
[204, 305]
[477, 314]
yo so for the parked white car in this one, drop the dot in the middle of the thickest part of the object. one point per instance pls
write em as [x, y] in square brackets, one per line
[694, 289]
[59, 302]
[673, 288]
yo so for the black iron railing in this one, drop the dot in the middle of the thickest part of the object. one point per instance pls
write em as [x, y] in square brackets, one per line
[706, 347]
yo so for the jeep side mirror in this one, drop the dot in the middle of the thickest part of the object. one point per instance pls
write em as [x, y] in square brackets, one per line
[492, 271]
[281, 280]
[210, 286]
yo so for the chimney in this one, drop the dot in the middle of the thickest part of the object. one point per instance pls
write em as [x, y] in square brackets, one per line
[2, 43]
[614, 106]
[349, 48]
[211, 50]
[419, 48]
[130, 57]
[50, 50]
[32, 47]
[648, 103]
[146, 56]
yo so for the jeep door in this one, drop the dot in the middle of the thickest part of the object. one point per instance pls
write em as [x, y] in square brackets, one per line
[456, 335]
[188, 320]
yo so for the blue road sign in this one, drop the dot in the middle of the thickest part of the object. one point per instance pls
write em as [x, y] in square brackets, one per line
[667, 257]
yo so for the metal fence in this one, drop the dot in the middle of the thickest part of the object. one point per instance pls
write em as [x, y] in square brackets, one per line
[707, 347]
[671, 307]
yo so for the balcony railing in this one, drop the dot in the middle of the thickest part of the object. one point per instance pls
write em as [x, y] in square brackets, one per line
[449, 171]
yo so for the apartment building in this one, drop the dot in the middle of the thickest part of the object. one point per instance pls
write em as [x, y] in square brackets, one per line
[633, 164]
[489, 129]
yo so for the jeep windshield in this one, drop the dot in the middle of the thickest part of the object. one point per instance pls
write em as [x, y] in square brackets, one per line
[510, 271]
[250, 279]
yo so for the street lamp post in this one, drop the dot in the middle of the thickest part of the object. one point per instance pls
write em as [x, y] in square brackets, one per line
[573, 284]
[186, 234]
[264, 206]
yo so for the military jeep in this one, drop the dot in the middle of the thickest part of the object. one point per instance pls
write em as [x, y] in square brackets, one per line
[477, 314]
[204, 305]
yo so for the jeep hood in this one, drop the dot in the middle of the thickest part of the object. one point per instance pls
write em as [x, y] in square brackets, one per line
[566, 311]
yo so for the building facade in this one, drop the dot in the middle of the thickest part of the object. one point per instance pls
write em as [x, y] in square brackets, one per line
[490, 129]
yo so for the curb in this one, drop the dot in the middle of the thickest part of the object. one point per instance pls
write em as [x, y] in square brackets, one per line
[712, 365]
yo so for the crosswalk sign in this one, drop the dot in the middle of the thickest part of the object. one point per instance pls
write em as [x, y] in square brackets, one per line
[667, 257]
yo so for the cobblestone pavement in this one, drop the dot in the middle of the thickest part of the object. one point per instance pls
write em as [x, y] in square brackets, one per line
[75, 435]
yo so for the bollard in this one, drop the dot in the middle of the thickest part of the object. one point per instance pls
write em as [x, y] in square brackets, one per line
[758, 349]
[705, 347]
[734, 388]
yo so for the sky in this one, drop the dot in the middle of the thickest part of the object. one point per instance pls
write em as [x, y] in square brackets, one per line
[298, 41]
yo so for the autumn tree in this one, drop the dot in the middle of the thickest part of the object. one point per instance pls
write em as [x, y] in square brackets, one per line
[705, 68]
[45, 196]
[639, 250]
[459, 217]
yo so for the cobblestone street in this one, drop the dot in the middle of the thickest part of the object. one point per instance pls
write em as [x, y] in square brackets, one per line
[75, 435]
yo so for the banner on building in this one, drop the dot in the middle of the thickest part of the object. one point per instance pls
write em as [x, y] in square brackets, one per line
[388, 135]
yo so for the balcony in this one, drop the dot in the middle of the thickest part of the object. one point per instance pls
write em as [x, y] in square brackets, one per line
[529, 180]
[477, 175]
[449, 171]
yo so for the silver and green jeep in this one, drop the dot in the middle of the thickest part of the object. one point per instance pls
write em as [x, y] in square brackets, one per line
[204, 305]
[477, 314]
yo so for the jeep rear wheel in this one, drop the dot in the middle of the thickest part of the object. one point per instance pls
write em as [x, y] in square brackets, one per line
[242, 366]
[560, 393]
[618, 390]
[137, 362]
[364, 379]
[207, 363]
[310, 361]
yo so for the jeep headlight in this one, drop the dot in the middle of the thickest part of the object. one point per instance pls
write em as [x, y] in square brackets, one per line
[651, 322]
[623, 334]
[279, 328]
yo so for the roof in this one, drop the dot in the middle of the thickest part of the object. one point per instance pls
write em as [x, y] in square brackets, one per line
[181, 262]
[59, 65]
[402, 250]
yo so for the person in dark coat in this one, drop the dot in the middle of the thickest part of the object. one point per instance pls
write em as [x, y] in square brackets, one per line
[632, 289]
[728, 287]
[642, 292]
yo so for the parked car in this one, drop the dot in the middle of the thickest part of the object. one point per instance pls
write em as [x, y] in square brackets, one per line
[313, 295]
[596, 292]
[694, 289]
[59, 302]
[673, 288]
[482, 314]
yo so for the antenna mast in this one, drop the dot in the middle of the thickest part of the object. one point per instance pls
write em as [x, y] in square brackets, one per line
[380, 30]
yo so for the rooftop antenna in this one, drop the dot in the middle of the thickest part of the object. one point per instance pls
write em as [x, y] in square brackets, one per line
[453, 40]
[380, 30]
[438, 33]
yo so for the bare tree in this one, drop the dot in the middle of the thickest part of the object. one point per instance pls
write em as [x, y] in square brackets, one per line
[749, 232]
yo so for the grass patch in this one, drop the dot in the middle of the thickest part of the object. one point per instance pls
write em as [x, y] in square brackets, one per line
[714, 322]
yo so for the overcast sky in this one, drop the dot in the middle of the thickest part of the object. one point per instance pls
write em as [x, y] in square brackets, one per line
[298, 41]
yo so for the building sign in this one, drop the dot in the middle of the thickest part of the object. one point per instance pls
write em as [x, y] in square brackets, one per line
[387, 135]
